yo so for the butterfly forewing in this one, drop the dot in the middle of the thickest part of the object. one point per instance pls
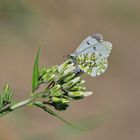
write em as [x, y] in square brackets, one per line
[86, 45]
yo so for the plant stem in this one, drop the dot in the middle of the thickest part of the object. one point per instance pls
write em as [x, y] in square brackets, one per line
[20, 104]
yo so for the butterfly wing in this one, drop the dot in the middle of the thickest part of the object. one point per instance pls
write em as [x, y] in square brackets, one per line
[87, 44]
[91, 56]
[104, 48]
[92, 64]
[94, 44]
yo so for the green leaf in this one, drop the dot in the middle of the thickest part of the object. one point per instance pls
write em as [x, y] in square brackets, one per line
[47, 109]
[1, 102]
[6, 96]
[35, 74]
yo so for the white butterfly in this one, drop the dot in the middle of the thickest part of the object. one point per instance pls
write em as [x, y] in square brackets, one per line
[91, 56]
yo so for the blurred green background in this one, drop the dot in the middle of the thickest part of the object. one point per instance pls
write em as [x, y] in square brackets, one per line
[112, 113]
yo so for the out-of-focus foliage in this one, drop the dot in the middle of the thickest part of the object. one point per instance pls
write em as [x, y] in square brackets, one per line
[15, 14]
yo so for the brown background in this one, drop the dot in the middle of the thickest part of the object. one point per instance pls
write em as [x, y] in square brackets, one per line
[112, 113]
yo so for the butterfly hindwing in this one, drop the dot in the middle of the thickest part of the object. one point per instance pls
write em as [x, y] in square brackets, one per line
[92, 64]
[104, 48]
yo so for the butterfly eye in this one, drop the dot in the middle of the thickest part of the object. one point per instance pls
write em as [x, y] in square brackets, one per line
[94, 48]
[88, 43]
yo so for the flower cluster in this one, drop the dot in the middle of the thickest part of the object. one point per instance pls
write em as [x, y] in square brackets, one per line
[64, 83]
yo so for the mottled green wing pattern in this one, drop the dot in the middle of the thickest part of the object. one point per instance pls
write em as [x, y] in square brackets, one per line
[92, 63]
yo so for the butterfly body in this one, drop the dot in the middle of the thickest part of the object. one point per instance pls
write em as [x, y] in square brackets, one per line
[91, 56]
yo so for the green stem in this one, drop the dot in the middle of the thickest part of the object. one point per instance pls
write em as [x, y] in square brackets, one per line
[20, 104]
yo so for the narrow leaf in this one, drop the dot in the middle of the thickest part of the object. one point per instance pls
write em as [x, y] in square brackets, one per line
[47, 109]
[6, 96]
[1, 102]
[35, 74]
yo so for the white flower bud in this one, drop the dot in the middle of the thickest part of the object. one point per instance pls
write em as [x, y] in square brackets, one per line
[87, 93]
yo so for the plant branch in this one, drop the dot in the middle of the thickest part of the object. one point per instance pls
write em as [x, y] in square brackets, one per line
[20, 104]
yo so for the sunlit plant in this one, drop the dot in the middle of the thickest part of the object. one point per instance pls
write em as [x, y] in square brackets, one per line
[62, 83]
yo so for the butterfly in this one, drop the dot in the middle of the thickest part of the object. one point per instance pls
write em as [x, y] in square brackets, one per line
[91, 56]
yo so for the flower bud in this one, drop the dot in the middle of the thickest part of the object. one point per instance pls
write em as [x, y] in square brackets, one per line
[76, 94]
[67, 85]
[64, 101]
[76, 80]
[81, 82]
[63, 66]
[60, 106]
[87, 93]
[77, 88]
[56, 93]
[56, 99]
[66, 71]
[71, 83]
[70, 69]
[56, 87]
[52, 69]
[69, 77]
[48, 77]
[43, 71]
